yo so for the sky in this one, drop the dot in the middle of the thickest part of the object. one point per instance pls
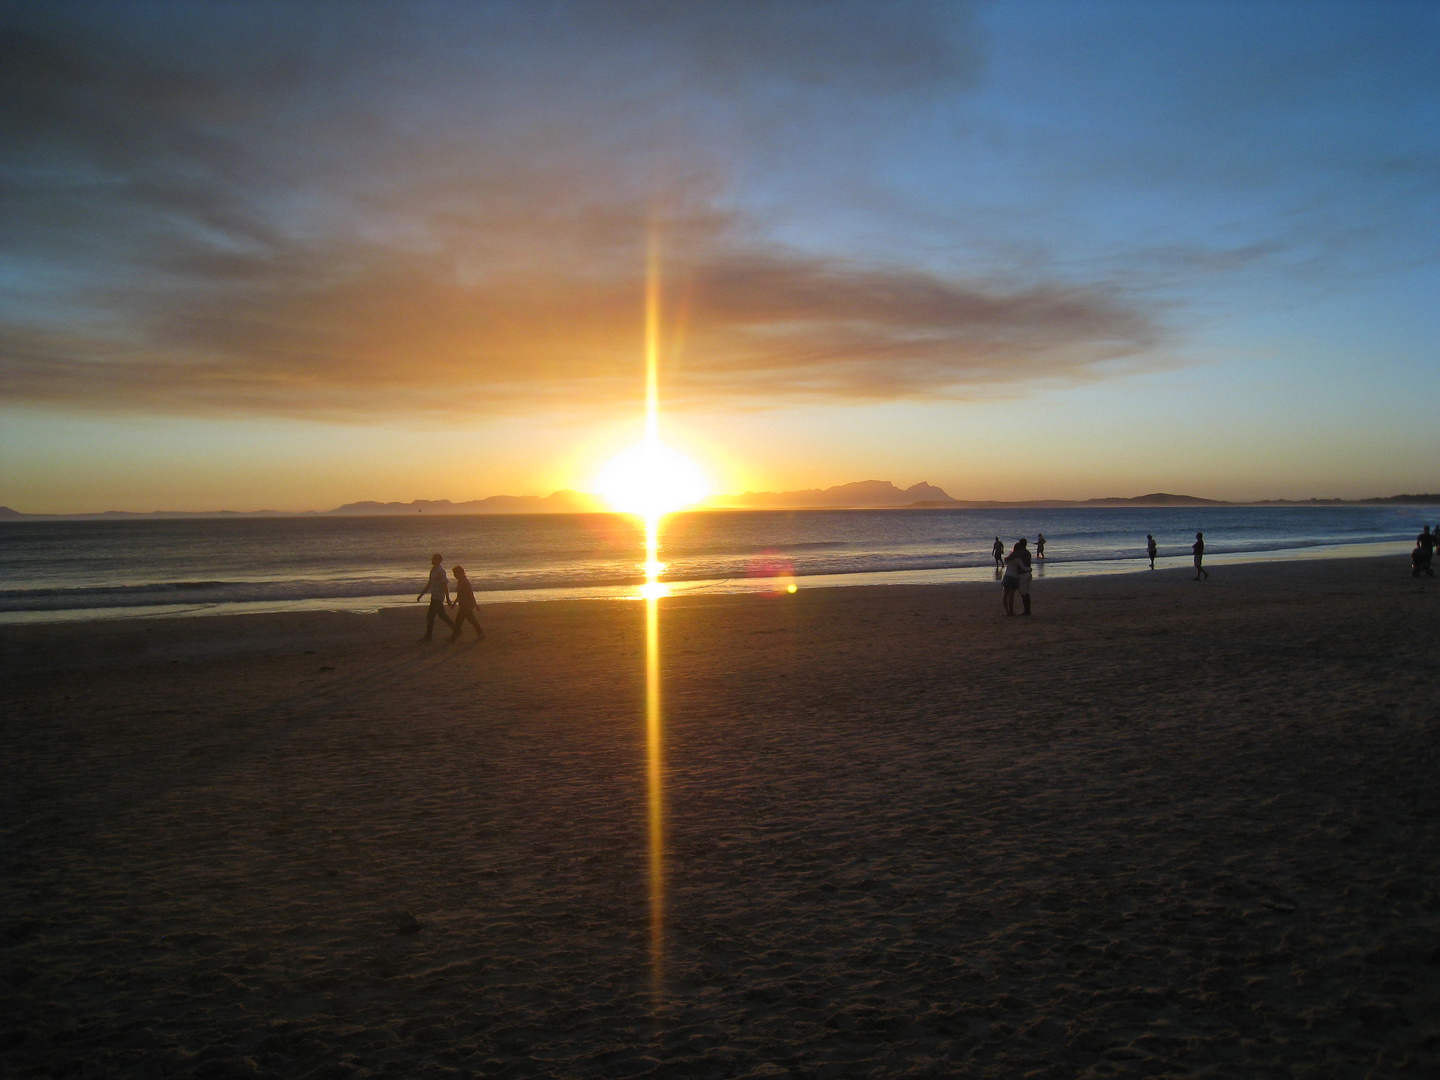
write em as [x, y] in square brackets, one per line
[269, 255]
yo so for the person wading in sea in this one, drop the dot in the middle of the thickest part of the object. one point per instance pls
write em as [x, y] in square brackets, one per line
[439, 589]
[1151, 549]
[997, 550]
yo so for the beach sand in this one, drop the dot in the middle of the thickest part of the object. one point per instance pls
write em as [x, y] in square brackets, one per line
[1160, 829]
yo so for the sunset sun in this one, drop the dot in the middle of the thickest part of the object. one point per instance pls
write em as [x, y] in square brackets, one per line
[651, 479]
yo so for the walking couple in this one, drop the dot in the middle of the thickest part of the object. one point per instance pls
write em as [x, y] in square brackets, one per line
[439, 589]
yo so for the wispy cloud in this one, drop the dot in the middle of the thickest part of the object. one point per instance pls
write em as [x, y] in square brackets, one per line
[362, 333]
[352, 210]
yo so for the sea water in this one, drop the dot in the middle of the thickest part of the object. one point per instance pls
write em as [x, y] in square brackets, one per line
[53, 569]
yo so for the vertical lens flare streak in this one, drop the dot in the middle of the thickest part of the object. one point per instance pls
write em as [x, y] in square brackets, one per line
[652, 343]
[654, 727]
[654, 758]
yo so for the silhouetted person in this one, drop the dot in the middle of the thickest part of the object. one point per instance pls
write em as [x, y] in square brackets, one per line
[1422, 558]
[1420, 562]
[998, 551]
[1039, 546]
[465, 598]
[1199, 549]
[1151, 549]
[1017, 577]
[439, 589]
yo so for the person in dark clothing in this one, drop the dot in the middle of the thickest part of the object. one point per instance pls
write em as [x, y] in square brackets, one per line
[439, 589]
[1039, 545]
[1151, 549]
[1017, 577]
[1420, 562]
[465, 612]
[1423, 557]
[1199, 549]
[997, 550]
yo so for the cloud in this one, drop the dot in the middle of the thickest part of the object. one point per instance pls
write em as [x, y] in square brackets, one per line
[376, 331]
[268, 211]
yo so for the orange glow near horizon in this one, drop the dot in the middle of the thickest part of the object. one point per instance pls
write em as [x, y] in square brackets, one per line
[651, 480]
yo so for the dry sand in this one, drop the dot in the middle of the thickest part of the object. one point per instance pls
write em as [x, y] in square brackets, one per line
[1160, 829]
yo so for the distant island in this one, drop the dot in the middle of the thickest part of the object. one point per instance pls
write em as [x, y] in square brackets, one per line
[557, 502]
[877, 494]
[860, 495]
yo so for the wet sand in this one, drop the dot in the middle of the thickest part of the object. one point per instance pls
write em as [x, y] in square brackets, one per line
[1160, 829]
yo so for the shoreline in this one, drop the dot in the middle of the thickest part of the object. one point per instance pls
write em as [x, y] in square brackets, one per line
[170, 637]
[1045, 569]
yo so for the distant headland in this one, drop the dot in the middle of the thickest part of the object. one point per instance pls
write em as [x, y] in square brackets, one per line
[860, 495]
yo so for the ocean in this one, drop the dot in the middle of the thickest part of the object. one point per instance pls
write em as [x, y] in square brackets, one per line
[65, 569]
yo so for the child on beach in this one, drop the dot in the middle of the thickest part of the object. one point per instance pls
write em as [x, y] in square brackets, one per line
[465, 612]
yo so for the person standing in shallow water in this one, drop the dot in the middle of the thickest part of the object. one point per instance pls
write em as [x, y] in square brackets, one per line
[1199, 549]
[997, 551]
[1151, 549]
[1017, 577]
[1039, 545]
[439, 589]
[465, 612]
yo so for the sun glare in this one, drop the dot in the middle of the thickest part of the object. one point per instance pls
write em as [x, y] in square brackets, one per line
[650, 479]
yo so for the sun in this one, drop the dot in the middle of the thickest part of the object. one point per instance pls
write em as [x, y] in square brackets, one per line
[651, 479]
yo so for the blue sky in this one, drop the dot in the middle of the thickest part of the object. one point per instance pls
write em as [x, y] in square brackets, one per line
[267, 255]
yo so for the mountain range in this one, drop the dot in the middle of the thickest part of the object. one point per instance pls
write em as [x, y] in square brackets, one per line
[861, 495]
